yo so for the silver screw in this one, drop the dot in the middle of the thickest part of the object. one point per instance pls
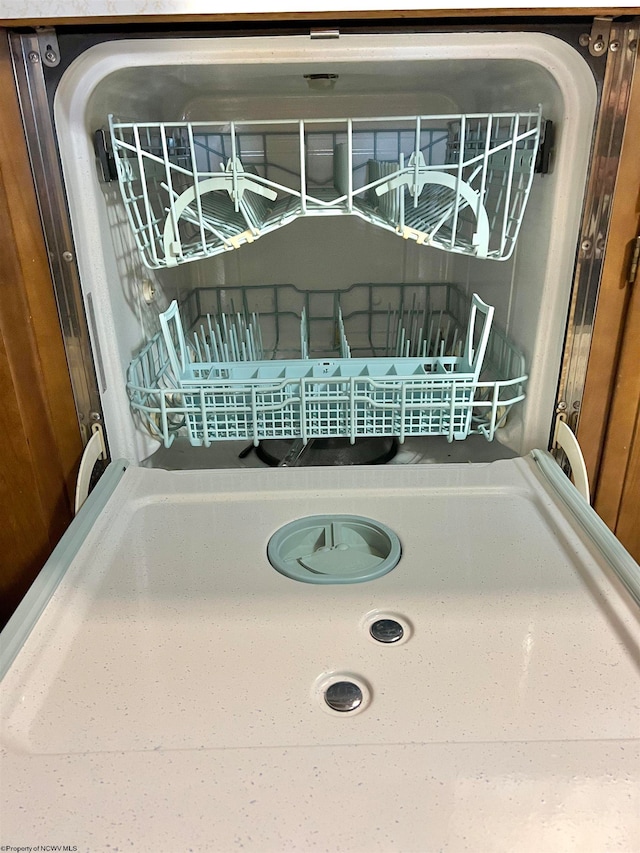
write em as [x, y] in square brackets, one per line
[584, 40]
[51, 56]
[615, 45]
[67, 256]
[562, 406]
[633, 45]
[586, 245]
[34, 57]
[95, 416]
[598, 47]
[576, 405]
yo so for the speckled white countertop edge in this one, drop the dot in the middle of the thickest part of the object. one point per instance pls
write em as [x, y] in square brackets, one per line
[32, 9]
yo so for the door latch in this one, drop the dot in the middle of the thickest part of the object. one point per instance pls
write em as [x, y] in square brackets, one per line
[325, 34]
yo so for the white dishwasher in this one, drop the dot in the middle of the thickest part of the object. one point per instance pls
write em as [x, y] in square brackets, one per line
[331, 593]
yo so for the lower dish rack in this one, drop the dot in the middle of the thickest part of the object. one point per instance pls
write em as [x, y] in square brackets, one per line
[431, 363]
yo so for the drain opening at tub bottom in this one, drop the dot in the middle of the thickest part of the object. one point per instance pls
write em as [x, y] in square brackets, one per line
[334, 549]
[367, 450]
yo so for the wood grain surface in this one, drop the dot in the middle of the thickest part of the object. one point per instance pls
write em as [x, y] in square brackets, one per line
[41, 444]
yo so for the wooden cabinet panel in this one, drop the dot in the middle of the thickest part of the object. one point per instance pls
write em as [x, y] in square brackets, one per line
[608, 428]
[627, 525]
[617, 496]
[41, 443]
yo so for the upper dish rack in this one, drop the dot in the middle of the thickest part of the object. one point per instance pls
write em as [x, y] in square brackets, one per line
[455, 182]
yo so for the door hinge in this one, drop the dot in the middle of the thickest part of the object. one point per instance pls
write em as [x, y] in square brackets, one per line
[598, 39]
[48, 44]
[634, 261]
[94, 451]
[564, 439]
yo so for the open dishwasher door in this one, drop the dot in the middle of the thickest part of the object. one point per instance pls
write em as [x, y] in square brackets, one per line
[179, 692]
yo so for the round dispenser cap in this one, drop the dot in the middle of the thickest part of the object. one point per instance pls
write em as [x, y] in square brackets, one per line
[326, 549]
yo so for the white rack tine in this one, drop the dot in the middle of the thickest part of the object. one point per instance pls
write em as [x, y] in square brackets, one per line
[239, 328]
[345, 349]
[196, 345]
[258, 354]
[234, 169]
[217, 349]
[303, 315]
[203, 335]
[244, 342]
[243, 346]
[212, 340]
[485, 160]
[251, 344]
[445, 336]
[414, 320]
[226, 336]
[428, 342]
[218, 340]
[420, 345]
[230, 343]
[224, 355]
[416, 157]
[454, 343]
[259, 329]
[401, 196]
[235, 345]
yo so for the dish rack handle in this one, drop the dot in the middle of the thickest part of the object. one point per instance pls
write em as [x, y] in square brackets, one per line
[179, 359]
[474, 355]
